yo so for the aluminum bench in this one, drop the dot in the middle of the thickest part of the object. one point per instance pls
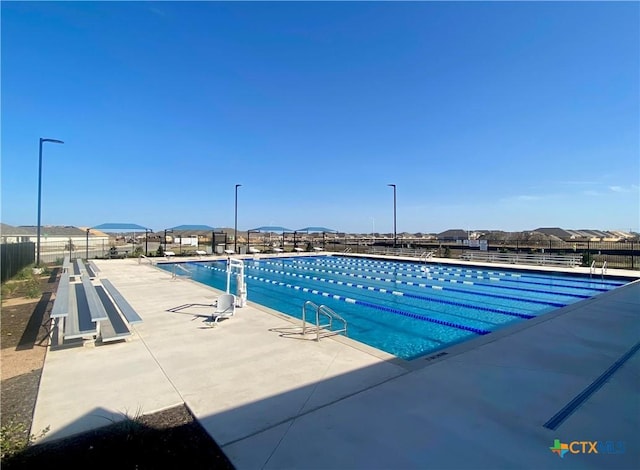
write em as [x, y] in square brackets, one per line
[82, 311]
[115, 328]
[66, 264]
[127, 310]
[78, 324]
[523, 258]
[86, 309]
[61, 304]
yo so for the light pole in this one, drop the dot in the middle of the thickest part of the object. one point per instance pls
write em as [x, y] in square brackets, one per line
[395, 236]
[40, 191]
[86, 250]
[235, 227]
[373, 231]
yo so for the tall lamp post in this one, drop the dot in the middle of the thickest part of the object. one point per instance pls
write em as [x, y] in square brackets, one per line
[42, 140]
[395, 236]
[86, 250]
[373, 231]
[235, 226]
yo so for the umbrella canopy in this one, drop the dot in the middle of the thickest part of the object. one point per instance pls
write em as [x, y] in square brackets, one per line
[271, 228]
[193, 227]
[121, 227]
[317, 230]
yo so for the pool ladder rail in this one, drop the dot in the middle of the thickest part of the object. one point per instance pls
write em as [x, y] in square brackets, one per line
[176, 275]
[425, 255]
[322, 329]
[592, 269]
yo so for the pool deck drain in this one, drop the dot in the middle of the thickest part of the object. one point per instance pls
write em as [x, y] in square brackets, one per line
[276, 402]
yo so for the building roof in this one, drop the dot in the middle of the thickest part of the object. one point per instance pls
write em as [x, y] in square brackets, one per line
[454, 233]
[555, 231]
[55, 231]
[94, 232]
[9, 230]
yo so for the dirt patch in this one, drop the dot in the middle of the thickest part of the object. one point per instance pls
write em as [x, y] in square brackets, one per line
[169, 439]
[23, 341]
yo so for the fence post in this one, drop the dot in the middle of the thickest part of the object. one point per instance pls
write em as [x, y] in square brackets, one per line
[632, 251]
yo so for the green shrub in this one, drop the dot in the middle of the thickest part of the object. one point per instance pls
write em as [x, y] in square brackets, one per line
[14, 438]
[33, 288]
[8, 288]
[24, 273]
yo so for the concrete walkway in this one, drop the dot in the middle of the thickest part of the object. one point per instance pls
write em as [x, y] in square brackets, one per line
[277, 402]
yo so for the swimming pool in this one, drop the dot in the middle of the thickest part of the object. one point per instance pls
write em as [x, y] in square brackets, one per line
[406, 309]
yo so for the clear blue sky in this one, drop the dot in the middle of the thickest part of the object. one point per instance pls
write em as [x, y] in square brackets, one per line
[486, 115]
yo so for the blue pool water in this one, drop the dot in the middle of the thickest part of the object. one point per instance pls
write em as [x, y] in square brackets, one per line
[406, 309]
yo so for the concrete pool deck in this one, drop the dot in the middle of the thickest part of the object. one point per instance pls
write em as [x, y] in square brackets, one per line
[277, 401]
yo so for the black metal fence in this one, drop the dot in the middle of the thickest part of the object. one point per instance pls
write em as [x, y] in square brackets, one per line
[620, 255]
[54, 252]
[14, 257]
[617, 255]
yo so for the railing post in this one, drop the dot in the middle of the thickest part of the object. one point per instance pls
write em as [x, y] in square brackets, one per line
[318, 323]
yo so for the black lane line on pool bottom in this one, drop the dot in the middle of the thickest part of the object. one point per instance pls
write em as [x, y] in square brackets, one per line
[574, 404]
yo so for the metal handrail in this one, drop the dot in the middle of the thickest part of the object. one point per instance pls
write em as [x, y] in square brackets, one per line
[178, 265]
[304, 314]
[592, 269]
[324, 311]
[604, 270]
[141, 257]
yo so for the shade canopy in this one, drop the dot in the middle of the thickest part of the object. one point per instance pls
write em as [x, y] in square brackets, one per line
[121, 227]
[193, 227]
[316, 230]
[271, 228]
